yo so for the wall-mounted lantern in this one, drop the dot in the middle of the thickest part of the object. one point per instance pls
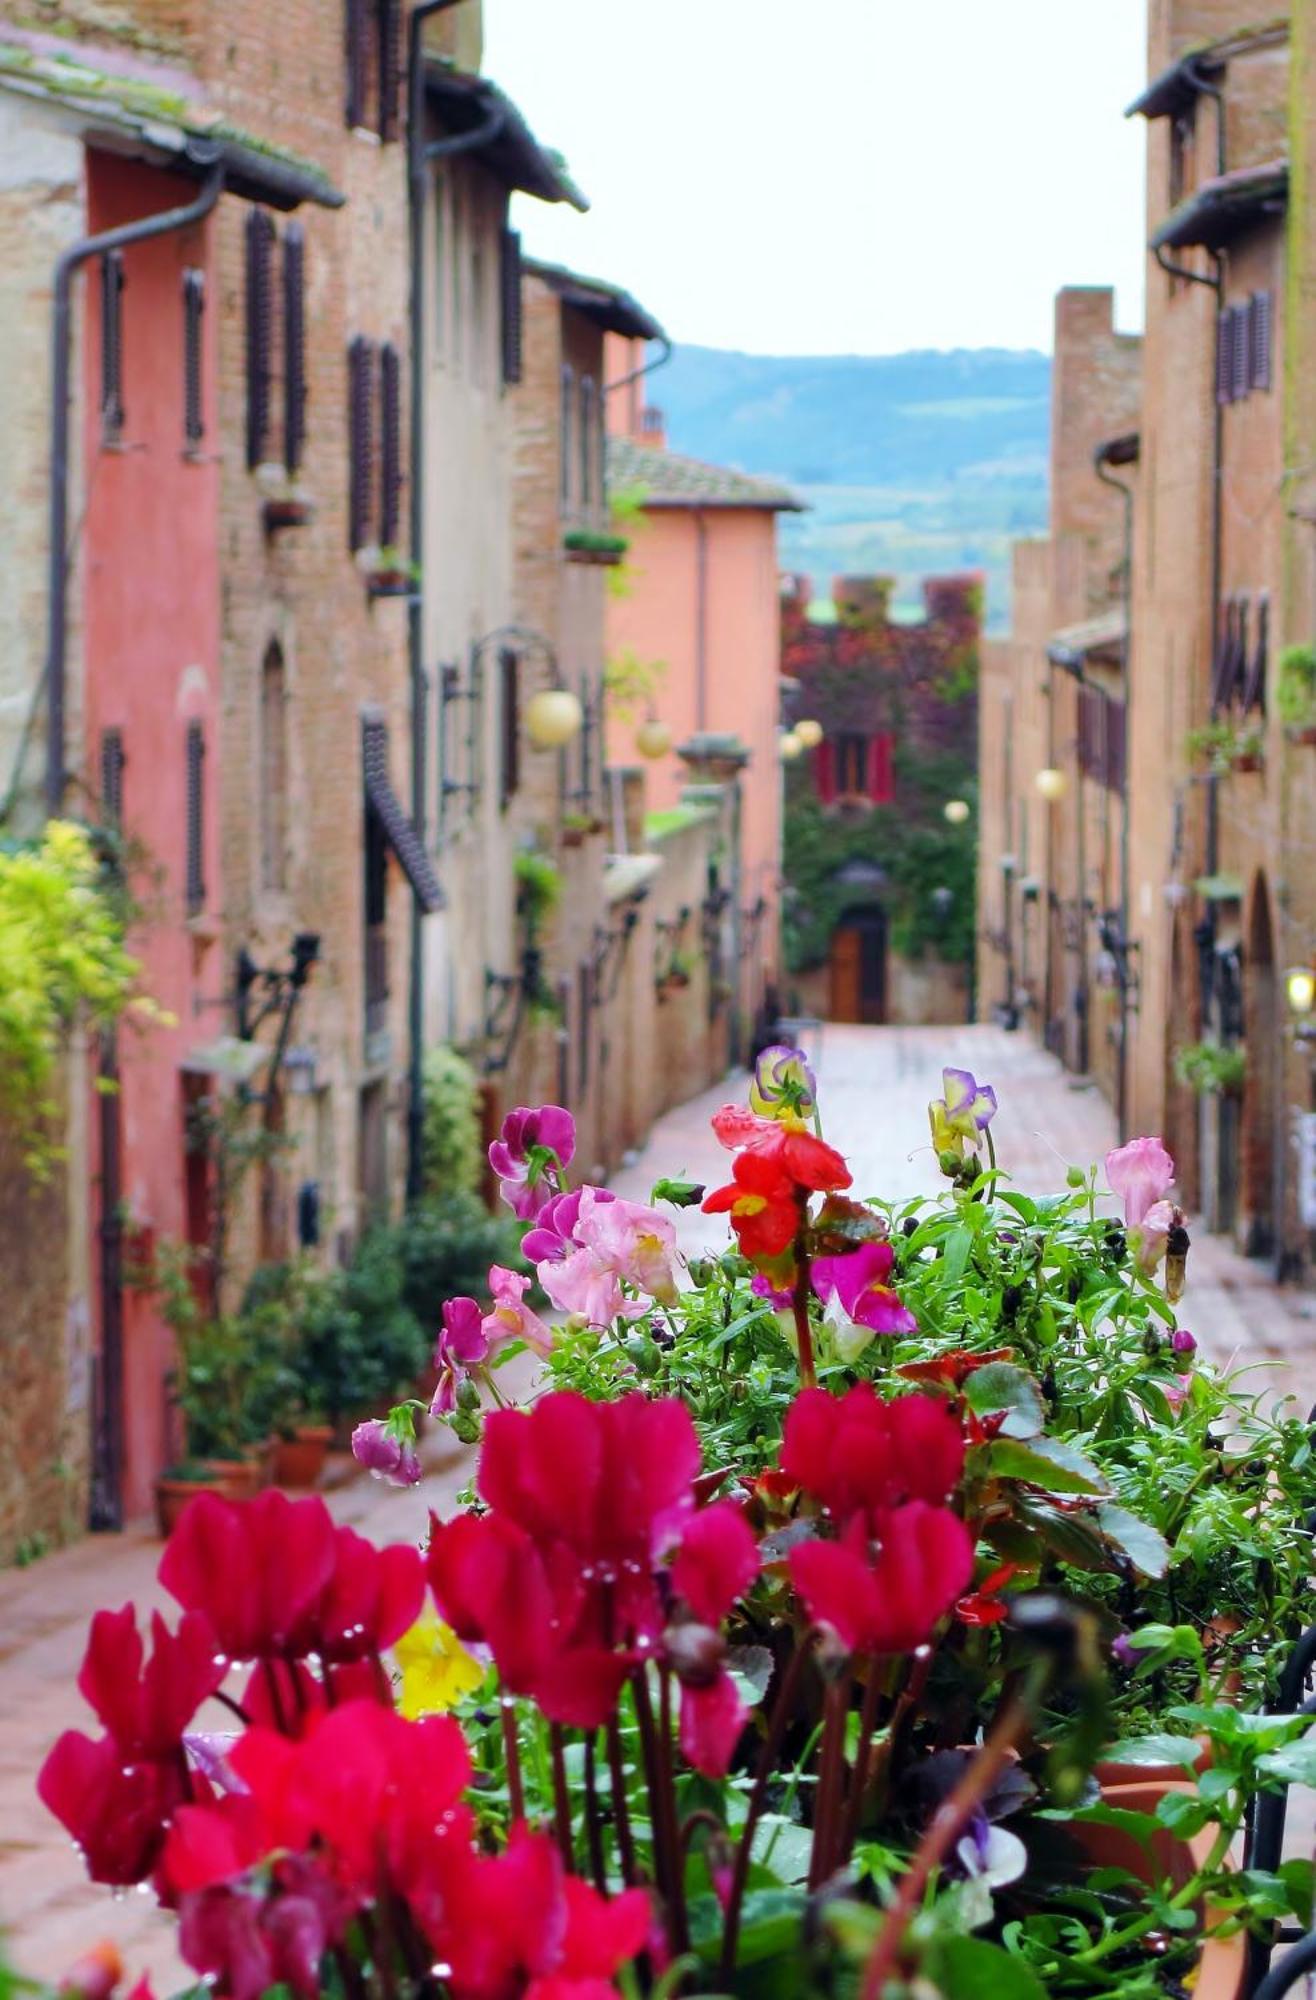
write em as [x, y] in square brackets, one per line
[1051, 784]
[1300, 991]
[653, 738]
[955, 811]
[810, 732]
[553, 718]
[789, 746]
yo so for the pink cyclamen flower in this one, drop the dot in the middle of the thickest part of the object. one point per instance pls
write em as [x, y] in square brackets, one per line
[553, 1236]
[1141, 1174]
[377, 1445]
[511, 1318]
[463, 1344]
[529, 1154]
[858, 1283]
[620, 1243]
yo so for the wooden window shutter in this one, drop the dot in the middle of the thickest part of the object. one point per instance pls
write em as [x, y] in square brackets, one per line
[1226, 621]
[588, 457]
[390, 444]
[112, 763]
[1254, 680]
[824, 771]
[194, 305]
[1240, 357]
[112, 281]
[510, 288]
[509, 726]
[356, 61]
[360, 357]
[260, 325]
[1260, 326]
[195, 890]
[1224, 357]
[1116, 745]
[294, 346]
[389, 26]
[881, 784]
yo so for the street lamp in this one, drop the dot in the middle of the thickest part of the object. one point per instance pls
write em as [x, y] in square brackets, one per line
[810, 732]
[1051, 784]
[1300, 990]
[789, 746]
[956, 811]
[653, 738]
[553, 717]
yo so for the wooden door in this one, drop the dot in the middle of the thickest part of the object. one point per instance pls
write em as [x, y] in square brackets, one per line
[846, 982]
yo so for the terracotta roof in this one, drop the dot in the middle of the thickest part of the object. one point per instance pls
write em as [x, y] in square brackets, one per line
[607, 305]
[671, 480]
[1221, 209]
[464, 101]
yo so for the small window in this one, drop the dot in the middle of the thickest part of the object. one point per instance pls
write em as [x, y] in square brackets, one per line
[1254, 679]
[112, 281]
[372, 36]
[195, 873]
[112, 763]
[194, 302]
[479, 291]
[361, 444]
[294, 346]
[273, 771]
[567, 426]
[1224, 356]
[260, 333]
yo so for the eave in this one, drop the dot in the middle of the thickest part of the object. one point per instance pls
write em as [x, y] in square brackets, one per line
[1223, 208]
[463, 101]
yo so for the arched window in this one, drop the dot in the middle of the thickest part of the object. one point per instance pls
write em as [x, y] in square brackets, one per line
[273, 770]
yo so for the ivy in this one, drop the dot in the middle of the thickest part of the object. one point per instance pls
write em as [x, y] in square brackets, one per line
[63, 964]
[915, 859]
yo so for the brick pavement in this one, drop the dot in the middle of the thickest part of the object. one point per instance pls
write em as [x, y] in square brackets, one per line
[875, 1083]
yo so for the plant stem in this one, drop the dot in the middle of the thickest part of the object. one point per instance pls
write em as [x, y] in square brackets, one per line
[800, 1293]
[512, 1756]
[862, 1763]
[948, 1822]
[593, 1826]
[271, 1678]
[671, 1822]
[767, 1765]
[1180, 1900]
[561, 1796]
[831, 1772]
[621, 1814]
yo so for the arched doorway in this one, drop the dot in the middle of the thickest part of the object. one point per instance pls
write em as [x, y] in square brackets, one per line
[857, 966]
[1260, 1001]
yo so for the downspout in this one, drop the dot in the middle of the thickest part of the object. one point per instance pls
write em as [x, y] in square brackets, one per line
[419, 156]
[67, 264]
[1125, 491]
[701, 620]
[660, 360]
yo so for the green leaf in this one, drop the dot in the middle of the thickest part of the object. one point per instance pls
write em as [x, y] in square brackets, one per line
[770, 1922]
[971, 1969]
[1155, 1749]
[1003, 1386]
[1144, 1545]
[1294, 1765]
[1056, 1469]
[956, 1254]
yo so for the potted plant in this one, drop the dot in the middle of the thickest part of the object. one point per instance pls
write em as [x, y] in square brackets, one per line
[388, 571]
[1295, 695]
[791, 1625]
[595, 545]
[1212, 1069]
[576, 827]
[1226, 747]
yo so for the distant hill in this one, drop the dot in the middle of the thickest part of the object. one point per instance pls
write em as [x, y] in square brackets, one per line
[911, 463]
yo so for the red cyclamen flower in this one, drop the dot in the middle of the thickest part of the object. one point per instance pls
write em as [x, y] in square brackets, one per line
[887, 1597]
[858, 1454]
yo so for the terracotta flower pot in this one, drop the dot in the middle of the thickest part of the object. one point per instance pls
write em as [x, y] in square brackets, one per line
[237, 1478]
[1222, 1965]
[172, 1495]
[299, 1460]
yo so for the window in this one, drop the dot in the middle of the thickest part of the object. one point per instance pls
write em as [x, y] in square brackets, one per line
[273, 771]
[112, 763]
[852, 765]
[1254, 678]
[360, 442]
[1259, 341]
[376, 921]
[260, 333]
[509, 717]
[567, 427]
[373, 65]
[374, 434]
[1244, 348]
[1181, 155]
[510, 292]
[194, 813]
[112, 346]
[588, 456]
[294, 346]
[390, 443]
[194, 302]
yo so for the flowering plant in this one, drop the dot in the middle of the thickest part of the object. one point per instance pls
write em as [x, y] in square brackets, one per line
[807, 1580]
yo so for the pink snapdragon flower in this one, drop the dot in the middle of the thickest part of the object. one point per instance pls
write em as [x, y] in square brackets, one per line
[619, 1243]
[463, 1344]
[529, 1155]
[553, 1236]
[1141, 1174]
[511, 1318]
[379, 1446]
[858, 1284]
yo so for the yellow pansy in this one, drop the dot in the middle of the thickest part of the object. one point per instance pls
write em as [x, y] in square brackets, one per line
[436, 1668]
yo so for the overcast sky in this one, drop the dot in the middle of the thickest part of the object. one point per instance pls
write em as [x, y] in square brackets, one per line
[838, 176]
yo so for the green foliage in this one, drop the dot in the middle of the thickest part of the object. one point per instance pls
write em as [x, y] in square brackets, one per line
[1295, 695]
[1211, 1069]
[631, 684]
[595, 541]
[1222, 745]
[62, 925]
[450, 1138]
[916, 858]
[538, 888]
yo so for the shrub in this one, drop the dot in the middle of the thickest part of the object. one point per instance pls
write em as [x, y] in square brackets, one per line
[451, 1157]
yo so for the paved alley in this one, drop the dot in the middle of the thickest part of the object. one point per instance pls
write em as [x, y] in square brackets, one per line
[875, 1084]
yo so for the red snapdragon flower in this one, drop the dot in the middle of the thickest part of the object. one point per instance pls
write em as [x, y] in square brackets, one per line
[857, 1454]
[985, 1605]
[777, 1164]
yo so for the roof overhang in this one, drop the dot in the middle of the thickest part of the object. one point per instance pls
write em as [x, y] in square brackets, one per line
[607, 305]
[1126, 449]
[191, 146]
[1177, 88]
[463, 102]
[1223, 208]
[1098, 641]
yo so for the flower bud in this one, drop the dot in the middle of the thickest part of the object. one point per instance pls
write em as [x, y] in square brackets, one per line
[1182, 1341]
[468, 1396]
[1076, 1178]
[696, 1653]
[464, 1426]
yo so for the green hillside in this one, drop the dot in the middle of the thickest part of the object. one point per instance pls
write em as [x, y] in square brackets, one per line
[911, 463]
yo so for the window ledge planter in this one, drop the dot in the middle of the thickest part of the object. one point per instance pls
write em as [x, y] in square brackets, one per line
[387, 572]
[288, 510]
[1301, 732]
[583, 546]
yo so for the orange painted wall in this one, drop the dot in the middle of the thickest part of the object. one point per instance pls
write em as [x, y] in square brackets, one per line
[148, 569]
[723, 663]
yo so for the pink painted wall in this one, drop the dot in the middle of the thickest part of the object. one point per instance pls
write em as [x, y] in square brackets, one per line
[735, 689]
[148, 570]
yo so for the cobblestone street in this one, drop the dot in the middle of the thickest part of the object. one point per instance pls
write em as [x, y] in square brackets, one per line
[875, 1084]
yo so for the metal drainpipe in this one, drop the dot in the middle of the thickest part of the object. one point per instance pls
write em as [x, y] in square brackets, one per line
[67, 263]
[701, 620]
[419, 156]
[1125, 492]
